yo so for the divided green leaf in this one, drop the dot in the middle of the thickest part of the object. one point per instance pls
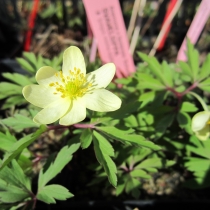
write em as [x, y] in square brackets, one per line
[6, 141]
[168, 73]
[185, 68]
[26, 65]
[125, 136]
[20, 145]
[188, 107]
[86, 138]
[148, 82]
[19, 122]
[205, 85]
[103, 152]
[49, 193]
[63, 157]
[132, 186]
[204, 71]
[7, 89]
[14, 185]
[154, 66]
[155, 162]
[17, 78]
[193, 59]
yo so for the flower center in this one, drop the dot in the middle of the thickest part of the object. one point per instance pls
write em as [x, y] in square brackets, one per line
[73, 86]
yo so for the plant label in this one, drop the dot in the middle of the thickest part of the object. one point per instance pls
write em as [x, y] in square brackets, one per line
[107, 24]
[196, 27]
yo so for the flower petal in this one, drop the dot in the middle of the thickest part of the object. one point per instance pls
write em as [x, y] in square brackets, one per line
[39, 95]
[199, 120]
[204, 133]
[102, 100]
[46, 75]
[53, 112]
[75, 114]
[72, 57]
[101, 77]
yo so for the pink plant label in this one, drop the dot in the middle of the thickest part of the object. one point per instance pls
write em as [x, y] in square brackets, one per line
[107, 24]
[196, 27]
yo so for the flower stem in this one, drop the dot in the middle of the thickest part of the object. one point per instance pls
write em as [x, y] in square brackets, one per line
[193, 86]
[56, 127]
[203, 104]
[84, 126]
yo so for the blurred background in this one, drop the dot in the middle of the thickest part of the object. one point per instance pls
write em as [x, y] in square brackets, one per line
[48, 26]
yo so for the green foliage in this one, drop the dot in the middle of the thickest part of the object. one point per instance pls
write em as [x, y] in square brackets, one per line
[19, 122]
[155, 66]
[151, 132]
[86, 138]
[48, 193]
[136, 167]
[52, 169]
[17, 78]
[204, 70]
[188, 107]
[198, 164]
[12, 91]
[14, 184]
[104, 151]
[55, 9]
[20, 145]
[32, 63]
[49, 11]
[7, 140]
[126, 136]
[153, 78]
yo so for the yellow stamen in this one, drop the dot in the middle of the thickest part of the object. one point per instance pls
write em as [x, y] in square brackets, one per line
[72, 86]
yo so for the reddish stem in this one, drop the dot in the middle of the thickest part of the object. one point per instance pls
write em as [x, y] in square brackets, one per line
[34, 202]
[179, 95]
[84, 126]
[193, 86]
[124, 168]
[56, 127]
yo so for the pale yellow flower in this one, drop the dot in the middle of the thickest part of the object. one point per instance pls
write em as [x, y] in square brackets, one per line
[66, 94]
[201, 125]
